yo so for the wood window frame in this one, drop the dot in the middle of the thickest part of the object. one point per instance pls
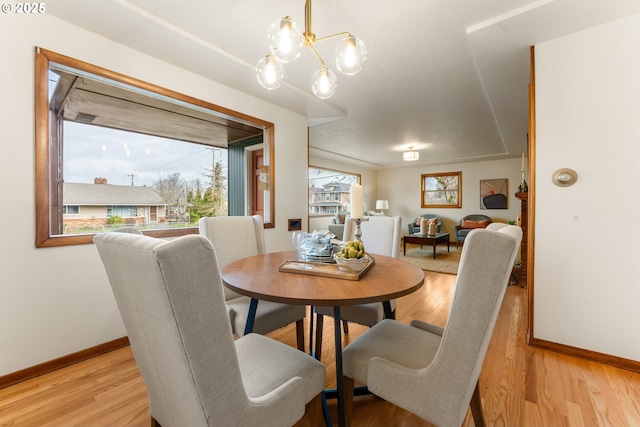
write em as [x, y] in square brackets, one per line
[424, 200]
[48, 148]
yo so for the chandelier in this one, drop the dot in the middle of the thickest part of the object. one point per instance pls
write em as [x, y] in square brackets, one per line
[285, 44]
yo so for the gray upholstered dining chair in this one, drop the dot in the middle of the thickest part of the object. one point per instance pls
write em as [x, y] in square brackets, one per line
[433, 371]
[172, 304]
[380, 235]
[236, 237]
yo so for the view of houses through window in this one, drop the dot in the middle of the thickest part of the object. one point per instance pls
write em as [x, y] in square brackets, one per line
[329, 191]
[115, 177]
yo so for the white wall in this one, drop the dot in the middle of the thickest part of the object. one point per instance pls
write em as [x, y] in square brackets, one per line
[587, 92]
[402, 188]
[57, 301]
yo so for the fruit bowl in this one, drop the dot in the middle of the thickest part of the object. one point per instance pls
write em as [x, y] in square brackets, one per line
[355, 264]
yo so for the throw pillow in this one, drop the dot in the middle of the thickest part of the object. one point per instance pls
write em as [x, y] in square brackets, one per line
[469, 223]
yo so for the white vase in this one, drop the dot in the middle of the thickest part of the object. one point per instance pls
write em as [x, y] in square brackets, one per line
[424, 226]
[432, 229]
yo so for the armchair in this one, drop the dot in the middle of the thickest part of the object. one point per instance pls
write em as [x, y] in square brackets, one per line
[468, 223]
[414, 227]
[337, 225]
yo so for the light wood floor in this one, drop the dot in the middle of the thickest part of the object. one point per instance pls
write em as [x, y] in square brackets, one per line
[519, 385]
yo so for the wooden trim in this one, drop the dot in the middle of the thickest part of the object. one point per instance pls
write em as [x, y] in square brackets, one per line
[61, 362]
[423, 202]
[44, 158]
[42, 149]
[607, 359]
[531, 200]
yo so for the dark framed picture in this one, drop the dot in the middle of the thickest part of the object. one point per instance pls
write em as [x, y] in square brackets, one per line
[494, 193]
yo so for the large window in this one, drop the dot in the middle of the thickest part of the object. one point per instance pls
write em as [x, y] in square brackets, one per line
[329, 191]
[111, 148]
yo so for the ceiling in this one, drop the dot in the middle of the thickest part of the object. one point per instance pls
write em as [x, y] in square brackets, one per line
[108, 104]
[448, 77]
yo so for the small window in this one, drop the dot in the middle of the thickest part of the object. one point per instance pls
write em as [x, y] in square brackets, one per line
[71, 210]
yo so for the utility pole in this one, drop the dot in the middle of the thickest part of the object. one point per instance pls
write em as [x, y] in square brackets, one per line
[132, 175]
[213, 157]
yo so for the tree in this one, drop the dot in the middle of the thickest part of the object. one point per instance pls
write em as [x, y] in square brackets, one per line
[214, 200]
[173, 191]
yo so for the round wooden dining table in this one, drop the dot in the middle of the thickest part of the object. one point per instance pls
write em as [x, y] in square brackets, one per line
[260, 278]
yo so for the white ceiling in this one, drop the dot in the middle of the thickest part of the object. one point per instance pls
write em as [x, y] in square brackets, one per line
[446, 76]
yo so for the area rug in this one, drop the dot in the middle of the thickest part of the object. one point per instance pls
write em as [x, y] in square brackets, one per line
[445, 262]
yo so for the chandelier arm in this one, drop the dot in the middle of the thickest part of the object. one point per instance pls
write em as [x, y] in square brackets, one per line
[317, 55]
[344, 33]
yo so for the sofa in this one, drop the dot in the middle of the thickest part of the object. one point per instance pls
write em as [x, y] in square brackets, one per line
[414, 227]
[337, 225]
[468, 223]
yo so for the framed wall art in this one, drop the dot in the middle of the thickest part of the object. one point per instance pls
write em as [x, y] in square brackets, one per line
[441, 190]
[494, 193]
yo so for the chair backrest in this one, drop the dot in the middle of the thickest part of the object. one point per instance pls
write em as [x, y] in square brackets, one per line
[483, 274]
[380, 234]
[495, 226]
[171, 302]
[131, 230]
[234, 237]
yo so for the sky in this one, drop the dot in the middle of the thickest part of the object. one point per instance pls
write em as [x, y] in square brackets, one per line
[92, 151]
[319, 177]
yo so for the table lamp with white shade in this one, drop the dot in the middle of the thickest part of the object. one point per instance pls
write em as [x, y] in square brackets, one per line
[382, 205]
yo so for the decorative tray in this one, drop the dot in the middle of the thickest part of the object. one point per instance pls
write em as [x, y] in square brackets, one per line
[325, 269]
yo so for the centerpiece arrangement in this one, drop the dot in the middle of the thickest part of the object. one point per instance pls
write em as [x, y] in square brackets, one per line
[321, 255]
[352, 255]
[314, 246]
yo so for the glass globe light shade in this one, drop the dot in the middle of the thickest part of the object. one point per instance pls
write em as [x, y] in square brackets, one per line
[285, 39]
[324, 83]
[269, 72]
[351, 53]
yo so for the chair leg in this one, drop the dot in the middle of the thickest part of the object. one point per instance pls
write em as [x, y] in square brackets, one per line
[315, 412]
[345, 327]
[155, 423]
[300, 334]
[319, 324]
[348, 399]
[476, 407]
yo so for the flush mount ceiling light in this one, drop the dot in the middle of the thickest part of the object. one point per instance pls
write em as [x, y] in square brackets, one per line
[285, 44]
[410, 155]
